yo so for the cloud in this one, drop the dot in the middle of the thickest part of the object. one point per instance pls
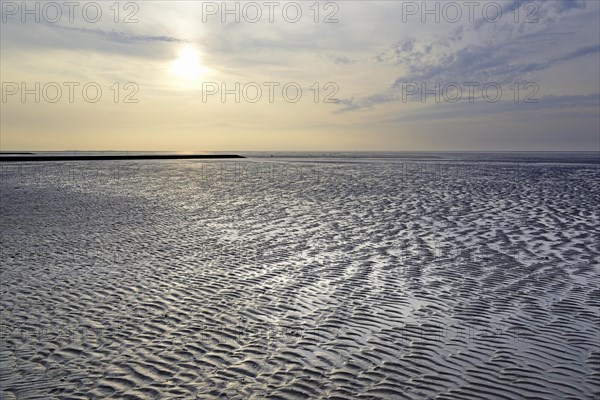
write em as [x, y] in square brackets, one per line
[503, 55]
[342, 60]
[29, 40]
[119, 37]
[561, 6]
[580, 52]
[586, 105]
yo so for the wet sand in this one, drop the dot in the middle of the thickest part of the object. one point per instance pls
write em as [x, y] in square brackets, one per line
[279, 280]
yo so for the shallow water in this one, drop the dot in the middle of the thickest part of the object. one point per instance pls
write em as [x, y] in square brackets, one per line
[301, 278]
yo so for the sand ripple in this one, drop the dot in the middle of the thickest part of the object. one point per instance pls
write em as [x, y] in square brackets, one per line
[295, 280]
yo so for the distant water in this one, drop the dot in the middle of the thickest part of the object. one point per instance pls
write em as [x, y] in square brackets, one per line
[514, 157]
[522, 157]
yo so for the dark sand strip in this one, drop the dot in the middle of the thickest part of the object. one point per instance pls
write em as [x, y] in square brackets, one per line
[119, 157]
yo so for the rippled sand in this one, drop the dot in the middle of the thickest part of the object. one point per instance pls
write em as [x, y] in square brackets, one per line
[380, 279]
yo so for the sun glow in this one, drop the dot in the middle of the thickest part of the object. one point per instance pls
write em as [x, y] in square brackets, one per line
[187, 65]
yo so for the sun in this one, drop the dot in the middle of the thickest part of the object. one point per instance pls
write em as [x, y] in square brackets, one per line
[187, 65]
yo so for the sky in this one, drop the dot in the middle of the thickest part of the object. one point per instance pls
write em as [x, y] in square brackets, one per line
[300, 76]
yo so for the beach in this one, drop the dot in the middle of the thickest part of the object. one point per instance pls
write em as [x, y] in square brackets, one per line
[294, 277]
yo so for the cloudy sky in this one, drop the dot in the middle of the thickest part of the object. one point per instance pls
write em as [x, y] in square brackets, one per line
[344, 75]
